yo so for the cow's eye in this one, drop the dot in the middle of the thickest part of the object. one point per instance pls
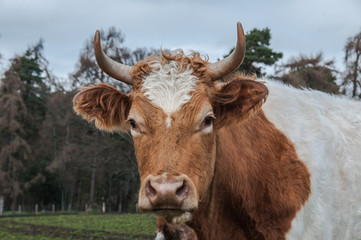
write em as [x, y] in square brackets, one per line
[133, 123]
[135, 129]
[207, 122]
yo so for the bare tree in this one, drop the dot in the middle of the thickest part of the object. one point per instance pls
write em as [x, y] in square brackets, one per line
[87, 70]
[310, 72]
[14, 149]
[352, 75]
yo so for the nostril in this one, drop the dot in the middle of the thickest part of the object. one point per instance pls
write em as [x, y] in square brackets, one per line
[182, 191]
[150, 190]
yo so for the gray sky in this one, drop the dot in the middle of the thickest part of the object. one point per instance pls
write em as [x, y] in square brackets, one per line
[297, 26]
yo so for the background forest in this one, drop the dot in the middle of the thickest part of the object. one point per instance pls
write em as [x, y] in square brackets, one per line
[49, 155]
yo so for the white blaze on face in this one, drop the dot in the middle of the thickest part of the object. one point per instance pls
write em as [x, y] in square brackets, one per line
[168, 121]
[168, 88]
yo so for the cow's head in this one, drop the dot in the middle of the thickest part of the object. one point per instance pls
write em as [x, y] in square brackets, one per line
[173, 112]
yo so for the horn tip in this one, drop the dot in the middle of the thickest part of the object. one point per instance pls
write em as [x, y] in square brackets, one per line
[96, 35]
[240, 28]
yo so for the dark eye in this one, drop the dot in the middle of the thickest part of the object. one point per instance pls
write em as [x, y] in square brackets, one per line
[133, 124]
[207, 122]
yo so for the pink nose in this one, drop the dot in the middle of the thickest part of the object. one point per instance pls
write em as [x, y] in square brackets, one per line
[167, 193]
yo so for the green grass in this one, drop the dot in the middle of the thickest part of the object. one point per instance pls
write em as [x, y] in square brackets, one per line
[41, 213]
[120, 226]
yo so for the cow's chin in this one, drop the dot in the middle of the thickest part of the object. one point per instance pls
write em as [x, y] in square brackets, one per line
[174, 216]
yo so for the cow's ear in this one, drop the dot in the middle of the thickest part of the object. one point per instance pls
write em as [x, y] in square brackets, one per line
[104, 105]
[237, 100]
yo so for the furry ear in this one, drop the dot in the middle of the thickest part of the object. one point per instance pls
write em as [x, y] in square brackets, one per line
[237, 100]
[104, 105]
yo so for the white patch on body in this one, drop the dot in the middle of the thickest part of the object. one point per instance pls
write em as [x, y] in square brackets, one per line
[159, 236]
[168, 88]
[185, 217]
[326, 132]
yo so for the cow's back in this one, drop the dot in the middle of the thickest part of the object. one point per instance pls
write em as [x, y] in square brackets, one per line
[326, 131]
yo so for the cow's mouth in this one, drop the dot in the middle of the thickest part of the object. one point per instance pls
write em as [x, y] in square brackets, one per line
[174, 216]
[169, 212]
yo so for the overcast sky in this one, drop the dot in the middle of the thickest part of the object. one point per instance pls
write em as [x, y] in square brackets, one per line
[297, 26]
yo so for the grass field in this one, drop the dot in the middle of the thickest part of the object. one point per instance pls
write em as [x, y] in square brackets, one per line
[108, 226]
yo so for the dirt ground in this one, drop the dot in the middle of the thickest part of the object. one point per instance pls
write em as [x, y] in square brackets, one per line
[66, 233]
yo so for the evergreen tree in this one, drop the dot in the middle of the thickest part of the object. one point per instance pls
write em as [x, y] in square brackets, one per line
[28, 68]
[258, 52]
[23, 95]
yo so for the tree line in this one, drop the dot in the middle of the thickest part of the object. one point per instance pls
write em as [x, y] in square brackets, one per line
[49, 155]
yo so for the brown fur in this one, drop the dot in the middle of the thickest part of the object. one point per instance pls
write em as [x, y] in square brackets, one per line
[258, 187]
[234, 101]
[249, 180]
[104, 105]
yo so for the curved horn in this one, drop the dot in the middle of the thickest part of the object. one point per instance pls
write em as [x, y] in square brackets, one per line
[114, 69]
[232, 62]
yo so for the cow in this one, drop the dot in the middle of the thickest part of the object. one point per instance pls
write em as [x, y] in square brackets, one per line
[229, 156]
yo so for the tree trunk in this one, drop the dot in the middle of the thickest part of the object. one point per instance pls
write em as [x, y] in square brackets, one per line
[79, 190]
[54, 143]
[355, 70]
[1, 205]
[125, 197]
[13, 203]
[92, 183]
[67, 134]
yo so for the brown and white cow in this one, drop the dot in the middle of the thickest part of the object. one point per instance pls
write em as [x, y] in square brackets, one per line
[215, 158]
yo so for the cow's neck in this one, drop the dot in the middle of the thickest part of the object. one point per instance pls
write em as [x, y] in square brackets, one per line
[258, 186]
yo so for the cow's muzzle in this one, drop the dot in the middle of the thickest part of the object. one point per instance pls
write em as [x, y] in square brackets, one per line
[168, 195]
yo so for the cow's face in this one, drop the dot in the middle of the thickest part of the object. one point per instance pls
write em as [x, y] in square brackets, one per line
[174, 138]
[173, 114]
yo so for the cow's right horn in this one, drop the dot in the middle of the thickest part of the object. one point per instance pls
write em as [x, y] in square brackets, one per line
[232, 62]
[114, 69]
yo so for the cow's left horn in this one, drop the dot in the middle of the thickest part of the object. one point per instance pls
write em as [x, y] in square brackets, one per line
[114, 69]
[232, 62]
